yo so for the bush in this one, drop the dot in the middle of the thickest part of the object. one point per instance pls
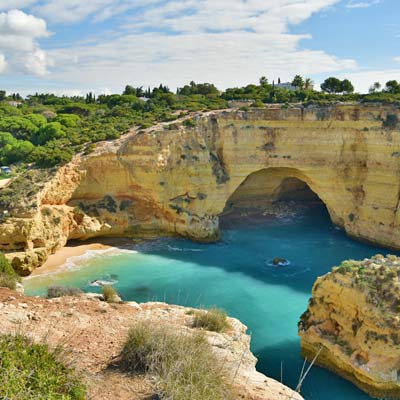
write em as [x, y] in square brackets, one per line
[110, 294]
[8, 277]
[31, 371]
[60, 291]
[213, 320]
[184, 365]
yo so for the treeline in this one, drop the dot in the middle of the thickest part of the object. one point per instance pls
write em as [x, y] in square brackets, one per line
[47, 130]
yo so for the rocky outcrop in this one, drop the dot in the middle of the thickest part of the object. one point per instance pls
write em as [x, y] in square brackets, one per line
[353, 324]
[95, 331]
[177, 179]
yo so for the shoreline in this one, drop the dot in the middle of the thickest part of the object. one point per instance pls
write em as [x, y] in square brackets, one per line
[58, 259]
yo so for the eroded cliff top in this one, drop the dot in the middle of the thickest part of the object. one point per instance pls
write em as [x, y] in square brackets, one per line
[353, 322]
[95, 331]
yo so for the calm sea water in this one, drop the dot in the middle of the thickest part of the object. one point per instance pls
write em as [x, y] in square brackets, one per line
[235, 274]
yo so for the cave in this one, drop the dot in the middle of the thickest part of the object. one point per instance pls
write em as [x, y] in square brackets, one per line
[268, 191]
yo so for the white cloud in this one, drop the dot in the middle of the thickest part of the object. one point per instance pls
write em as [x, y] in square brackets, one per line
[19, 49]
[397, 59]
[6, 5]
[228, 43]
[362, 4]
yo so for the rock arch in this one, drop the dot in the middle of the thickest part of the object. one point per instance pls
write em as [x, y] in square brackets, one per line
[262, 188]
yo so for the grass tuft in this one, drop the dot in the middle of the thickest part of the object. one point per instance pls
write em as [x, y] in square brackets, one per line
[110, 294]
[30, 371]
[213, 319]
[184, 365]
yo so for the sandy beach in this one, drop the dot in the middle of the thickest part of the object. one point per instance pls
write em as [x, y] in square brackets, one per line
[61, 256]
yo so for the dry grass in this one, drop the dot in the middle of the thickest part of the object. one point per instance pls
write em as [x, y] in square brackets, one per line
[184, 365]
[213, 319]
[109, 293]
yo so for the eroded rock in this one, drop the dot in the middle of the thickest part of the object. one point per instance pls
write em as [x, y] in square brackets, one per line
[353, 320]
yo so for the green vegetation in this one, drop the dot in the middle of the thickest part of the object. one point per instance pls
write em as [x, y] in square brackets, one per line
[60, 291]
[8, 277]
[47, 130]
[184, 365]
[30, 371]
[378, 278]
[213, 319]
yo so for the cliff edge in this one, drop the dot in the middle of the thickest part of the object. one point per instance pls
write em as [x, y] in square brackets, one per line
[353, 322]
[178, 178]
[94, 333]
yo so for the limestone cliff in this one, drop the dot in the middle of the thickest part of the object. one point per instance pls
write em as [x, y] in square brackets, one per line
[94, 333]
[353, 319]
[177, 178]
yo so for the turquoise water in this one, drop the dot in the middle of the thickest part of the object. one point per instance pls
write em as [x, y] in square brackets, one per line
[235, 274]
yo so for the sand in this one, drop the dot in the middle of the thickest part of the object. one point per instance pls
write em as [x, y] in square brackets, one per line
[56, 260]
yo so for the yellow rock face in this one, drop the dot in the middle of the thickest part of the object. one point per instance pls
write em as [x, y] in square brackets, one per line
[177, 180]
[353, 324]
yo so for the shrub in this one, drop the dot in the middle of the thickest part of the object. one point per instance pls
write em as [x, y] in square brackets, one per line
[184, 365]
[110, 294]
[60, 291]
[213, 320]
[8, 277]
[31, 371]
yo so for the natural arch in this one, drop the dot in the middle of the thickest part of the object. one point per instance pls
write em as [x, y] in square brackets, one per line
[264, 188]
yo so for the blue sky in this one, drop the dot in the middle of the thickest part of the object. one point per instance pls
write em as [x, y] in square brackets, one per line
[71, 46]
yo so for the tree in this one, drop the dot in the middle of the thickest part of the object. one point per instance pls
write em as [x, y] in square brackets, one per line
[21, 128]
[51, 131]
[263, 81]
[392, 87]
[2, 95]
[332, 85]
[375, 87]
[298, 82]
[308, 84]
[347, 86]
[129, 90]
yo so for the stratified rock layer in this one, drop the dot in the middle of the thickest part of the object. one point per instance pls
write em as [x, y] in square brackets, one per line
[177, 179]
[94, 332]
[353, 322]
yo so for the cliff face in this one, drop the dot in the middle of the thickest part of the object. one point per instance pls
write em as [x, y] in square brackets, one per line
[94, 333]
[177, 179]
[353, 321]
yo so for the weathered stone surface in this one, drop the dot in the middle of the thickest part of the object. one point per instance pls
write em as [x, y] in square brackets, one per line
[353, 316]
[178, 181]
[94, 333]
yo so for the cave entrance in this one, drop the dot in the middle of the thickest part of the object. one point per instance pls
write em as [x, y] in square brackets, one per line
[270, 192]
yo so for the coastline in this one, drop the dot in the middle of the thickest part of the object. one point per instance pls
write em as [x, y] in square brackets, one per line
[56, 260]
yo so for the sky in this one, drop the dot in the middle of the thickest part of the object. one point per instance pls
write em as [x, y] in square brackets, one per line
[75, 46]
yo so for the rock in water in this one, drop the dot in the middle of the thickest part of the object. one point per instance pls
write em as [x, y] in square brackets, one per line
[354, 318]
[279, 262]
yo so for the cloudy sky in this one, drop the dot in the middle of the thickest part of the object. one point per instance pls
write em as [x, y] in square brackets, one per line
[73, 46]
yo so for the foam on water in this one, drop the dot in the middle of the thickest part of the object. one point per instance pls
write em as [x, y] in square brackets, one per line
[235, 274]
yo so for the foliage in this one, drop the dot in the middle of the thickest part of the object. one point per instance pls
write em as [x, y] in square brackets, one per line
[30, 371]
[8, 277]
[213, 319]
[184, 365]
[60, 291]
[335, 85]
[48, 130]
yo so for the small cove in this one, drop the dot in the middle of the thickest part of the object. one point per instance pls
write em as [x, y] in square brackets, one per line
[237, 275]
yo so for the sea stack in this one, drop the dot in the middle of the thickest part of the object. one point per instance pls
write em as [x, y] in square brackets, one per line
[353, 322]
